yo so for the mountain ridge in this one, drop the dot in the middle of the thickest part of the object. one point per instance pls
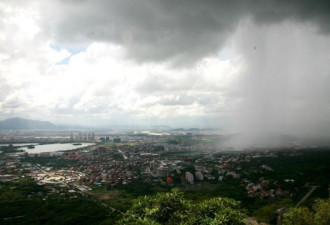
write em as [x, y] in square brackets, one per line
[18, 123]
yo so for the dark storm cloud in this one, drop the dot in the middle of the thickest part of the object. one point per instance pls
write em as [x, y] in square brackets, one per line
[317, 12]
[177, 31]
[285, 84]
[151, 30]
[277, 54]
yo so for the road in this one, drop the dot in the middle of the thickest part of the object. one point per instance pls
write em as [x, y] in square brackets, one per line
[306, 196]
[121, 152]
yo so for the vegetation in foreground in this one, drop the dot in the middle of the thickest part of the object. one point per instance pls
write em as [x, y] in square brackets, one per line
[319, 215]
[172, 208]
[24, 202]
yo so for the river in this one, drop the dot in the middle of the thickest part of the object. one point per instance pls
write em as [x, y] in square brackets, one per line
[54, 147]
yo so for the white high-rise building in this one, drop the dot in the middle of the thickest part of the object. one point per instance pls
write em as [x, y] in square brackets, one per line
[190, 177]
[199, 175]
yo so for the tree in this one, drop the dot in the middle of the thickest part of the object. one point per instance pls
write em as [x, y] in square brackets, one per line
[322, 212]
[218, 211]
[298, 216]
[172, 208]
[303, 216]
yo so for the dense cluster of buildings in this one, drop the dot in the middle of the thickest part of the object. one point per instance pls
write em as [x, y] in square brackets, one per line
[262, 189]
[10, 169]
[147, 159]
[82, 137]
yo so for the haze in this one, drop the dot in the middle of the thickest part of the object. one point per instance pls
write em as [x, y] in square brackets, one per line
[250, 67]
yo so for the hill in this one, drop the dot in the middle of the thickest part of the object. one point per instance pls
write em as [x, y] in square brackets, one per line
[25, 124]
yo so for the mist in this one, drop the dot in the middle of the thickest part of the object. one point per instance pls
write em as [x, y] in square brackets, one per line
[284, 86]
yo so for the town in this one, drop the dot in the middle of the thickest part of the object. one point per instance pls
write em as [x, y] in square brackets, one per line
[193, 162]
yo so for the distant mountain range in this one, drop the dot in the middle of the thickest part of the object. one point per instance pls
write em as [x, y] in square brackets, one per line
[25, 124]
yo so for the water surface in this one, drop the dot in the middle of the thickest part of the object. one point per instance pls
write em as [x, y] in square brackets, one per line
[54, 147]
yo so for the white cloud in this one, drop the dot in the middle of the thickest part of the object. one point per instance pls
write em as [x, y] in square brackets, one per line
[99, 82]
[254, 72]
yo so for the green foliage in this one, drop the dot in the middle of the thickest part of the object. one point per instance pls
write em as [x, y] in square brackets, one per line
[24, 202]
[136, 188]
[303, 216]
[52, 211]
[161, 208]
[52, 161]
[190, 169]
[118, 156]
[172, 208]
[218, 211]
[311, 166]
[298, 216]
[159, 148]
[173, 141]
[267, 213]
[180, 153]
[10, 149]
[18, 189]
[322, 212]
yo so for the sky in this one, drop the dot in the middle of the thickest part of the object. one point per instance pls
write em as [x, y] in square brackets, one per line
[246, 66]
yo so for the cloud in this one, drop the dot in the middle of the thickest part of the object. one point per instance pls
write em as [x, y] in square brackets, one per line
[284, 84]
[256, 64]
[180, 32]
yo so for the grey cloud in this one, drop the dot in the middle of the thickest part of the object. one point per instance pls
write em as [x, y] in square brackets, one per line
[177, 100]
[12, 103]
[184, 82]
[211, 103]
[97, 106]
[208, 99]
[286, 83]
[4, 88]
[163, 83]
[285, 87]
[11, 98]
[317, 12]
[177, 31]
